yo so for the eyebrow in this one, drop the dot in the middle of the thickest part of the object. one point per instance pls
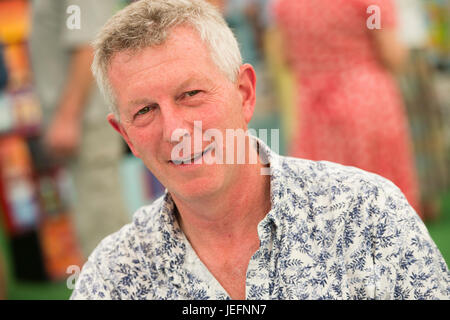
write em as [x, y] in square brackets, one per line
[191, 80]
[186, 83]
[137, 102]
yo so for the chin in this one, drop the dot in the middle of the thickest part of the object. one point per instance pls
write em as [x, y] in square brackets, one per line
[196, 189]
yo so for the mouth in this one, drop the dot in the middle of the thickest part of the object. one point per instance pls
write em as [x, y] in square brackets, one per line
[194, 158]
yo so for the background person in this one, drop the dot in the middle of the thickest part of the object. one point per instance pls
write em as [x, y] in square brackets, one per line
[74, 114]
[350, 110]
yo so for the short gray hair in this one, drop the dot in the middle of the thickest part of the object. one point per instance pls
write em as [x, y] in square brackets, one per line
[146, 23]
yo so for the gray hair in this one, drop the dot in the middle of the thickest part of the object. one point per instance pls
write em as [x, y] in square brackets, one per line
[146, 23]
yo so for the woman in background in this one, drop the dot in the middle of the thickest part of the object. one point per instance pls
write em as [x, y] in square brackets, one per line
[350, 110]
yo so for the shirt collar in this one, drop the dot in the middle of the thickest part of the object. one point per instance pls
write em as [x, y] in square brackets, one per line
[171, 240]
[277, 181]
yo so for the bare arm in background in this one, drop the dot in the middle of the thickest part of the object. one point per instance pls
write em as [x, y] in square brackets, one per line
[392, 53]
[63, 135]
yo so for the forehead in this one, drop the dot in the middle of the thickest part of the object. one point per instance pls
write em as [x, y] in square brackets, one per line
[183, 50]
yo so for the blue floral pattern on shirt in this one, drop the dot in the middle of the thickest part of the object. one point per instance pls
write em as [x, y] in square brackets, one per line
[333, 232]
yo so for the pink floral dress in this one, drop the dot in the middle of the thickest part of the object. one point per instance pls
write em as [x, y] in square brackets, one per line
[350, 109]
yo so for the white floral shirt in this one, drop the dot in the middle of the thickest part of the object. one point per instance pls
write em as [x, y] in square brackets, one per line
[333, 232]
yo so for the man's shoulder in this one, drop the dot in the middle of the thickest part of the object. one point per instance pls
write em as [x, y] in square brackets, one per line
[128, 260]
[125, 244]
[330, 189]
[326, 174]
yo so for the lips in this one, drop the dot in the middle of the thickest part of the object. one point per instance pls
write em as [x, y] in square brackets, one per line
[193, 158]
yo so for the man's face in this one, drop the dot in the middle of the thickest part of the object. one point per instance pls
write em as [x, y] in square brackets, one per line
[165, 88]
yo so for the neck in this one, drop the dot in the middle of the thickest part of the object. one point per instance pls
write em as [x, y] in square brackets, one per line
[230, 218]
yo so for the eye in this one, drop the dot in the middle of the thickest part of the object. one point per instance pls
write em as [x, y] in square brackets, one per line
[192, 93]
[144, 110]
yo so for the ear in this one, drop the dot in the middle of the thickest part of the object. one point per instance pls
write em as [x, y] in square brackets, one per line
[247, 89]
[121, 130]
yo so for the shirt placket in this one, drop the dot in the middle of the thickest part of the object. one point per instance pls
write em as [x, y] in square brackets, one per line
[260, 282]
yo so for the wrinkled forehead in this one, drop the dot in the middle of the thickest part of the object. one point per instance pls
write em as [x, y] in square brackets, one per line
[179, 39]
[182, 43]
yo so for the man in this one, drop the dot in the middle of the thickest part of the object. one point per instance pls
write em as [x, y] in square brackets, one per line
[309, 230]
[75, 132]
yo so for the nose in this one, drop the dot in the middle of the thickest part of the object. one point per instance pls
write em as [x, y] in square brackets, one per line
[174, 123]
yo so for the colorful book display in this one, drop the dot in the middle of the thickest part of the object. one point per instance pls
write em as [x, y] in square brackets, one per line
[19, 195]
[35, 204]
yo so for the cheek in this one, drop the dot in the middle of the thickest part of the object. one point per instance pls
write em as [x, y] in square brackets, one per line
[234, 111]
[225, 113]
[144, 142]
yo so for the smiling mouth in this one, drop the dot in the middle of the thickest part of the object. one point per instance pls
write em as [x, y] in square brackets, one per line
[193, 158]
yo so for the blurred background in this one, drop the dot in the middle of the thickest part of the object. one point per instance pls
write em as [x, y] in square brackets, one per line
[368, 87]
